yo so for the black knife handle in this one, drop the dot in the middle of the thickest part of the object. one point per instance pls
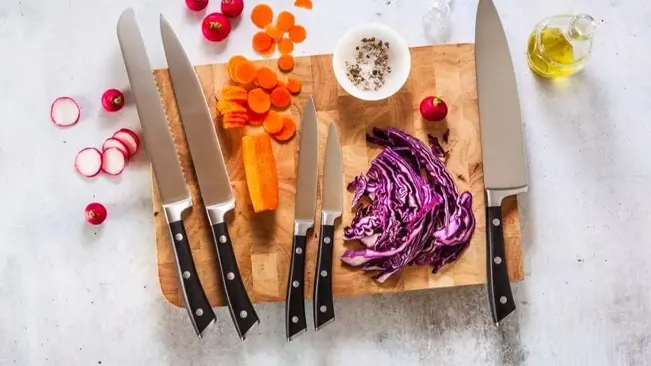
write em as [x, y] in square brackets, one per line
[295, 303]
[324, 311]
[194, 297]
[499, 288]
[242, 311]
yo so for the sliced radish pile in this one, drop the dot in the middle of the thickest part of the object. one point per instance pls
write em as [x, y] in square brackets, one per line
[118, 144]
[113, 161]
[88, 162]
[65, 112]
[130, 139]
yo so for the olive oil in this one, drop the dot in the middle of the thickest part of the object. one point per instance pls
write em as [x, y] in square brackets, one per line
[559, 46]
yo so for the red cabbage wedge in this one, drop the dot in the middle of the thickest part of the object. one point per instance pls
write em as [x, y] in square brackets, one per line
[409, 211]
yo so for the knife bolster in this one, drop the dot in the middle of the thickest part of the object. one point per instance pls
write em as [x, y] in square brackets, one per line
[174, 211]
[329, 217]
[494, 197]
[217, 213]
[301, 227]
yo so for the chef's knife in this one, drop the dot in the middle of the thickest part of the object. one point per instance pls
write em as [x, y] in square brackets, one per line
[505, 172]
[172, 187]
[210, 168]
[331, 209]
[303, 221]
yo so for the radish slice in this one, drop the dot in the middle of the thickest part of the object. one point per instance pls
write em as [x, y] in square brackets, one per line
[128, 139]
[65, 112]
[113, 142]
[88, 162]
[113, 161]
[133, 134]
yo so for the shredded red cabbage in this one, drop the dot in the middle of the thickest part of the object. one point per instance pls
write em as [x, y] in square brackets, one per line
[415, 215]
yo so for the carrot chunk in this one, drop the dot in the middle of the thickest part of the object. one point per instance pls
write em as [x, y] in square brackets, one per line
[297, 34]
[286, 63]
[285, 21]
[294, 85]
[259, 100]
[280, 97]
[267, 78]
[288, 130]
[273, 123]
[262, 15]
[261, 173]
[305, 4]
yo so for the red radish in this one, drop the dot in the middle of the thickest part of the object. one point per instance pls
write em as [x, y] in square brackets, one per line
[129, 140]
[196, 5]
[65, 112]
[232, 8]
[95, 213]
[433, 109]
[216, 27]
[113, 100]
[113, 142]
[88, 162]
[113, 161]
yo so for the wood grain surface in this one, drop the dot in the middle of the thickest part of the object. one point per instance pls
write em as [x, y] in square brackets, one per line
[263, 242]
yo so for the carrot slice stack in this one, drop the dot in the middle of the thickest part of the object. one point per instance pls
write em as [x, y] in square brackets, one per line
[288, 130]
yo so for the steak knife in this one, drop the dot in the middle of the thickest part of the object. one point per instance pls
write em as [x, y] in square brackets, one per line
[214, 183]
[172, 186]
[505, 171]
[332, 198]
[307, 175]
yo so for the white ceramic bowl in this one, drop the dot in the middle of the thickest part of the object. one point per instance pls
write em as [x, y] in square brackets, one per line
[399, 60]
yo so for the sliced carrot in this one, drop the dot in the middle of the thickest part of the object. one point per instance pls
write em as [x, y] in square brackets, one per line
[273, 123]
[294, 85]
[255, 119]
[270, 51]
[262, 42]
[305, 4]
[234, 93]
[297, 34]
[285, 46]
[232, 62]
[286, 63]
[245, 72]
[285, 21]
[288, 130]
[262, 15]
[225, 106]
[280, 97]
[281, 83]
[273, 32]
[266, 78]
[259, 100]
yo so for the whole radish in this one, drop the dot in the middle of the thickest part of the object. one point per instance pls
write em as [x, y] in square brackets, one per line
[232, 8]
[112, 100]
[95, 213]
[433, 109]
[216, 27]
[196, 5]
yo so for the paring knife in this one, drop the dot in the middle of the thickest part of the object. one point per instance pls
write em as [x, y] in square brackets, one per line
[332, 198]
[172, 187]
[303, 221]
[505, 171]
[209, 165]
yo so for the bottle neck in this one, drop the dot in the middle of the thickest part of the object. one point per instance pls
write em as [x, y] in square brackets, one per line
[582, 28]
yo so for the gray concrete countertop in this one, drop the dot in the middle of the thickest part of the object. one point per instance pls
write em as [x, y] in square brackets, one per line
[71, 294]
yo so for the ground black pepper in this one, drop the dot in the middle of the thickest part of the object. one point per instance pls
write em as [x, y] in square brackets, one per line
[370, 67]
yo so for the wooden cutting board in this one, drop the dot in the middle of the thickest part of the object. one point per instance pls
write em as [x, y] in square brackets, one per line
[263, 242]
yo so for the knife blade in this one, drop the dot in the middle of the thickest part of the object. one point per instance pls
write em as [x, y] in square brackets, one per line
[332, 199]
[307, 176]
[172, 187]
[505, 171]
[210, 168]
